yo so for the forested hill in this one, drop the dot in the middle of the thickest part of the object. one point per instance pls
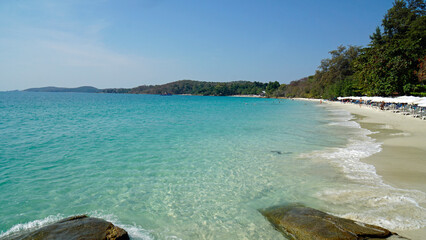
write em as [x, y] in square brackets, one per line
[201, 88]
[394, 63]
[85, 89]
[182, 87]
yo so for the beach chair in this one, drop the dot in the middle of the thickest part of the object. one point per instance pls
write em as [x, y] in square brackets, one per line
[422, 113]
[415, 112]
[387, 107]
[406, 110]
[397, 108]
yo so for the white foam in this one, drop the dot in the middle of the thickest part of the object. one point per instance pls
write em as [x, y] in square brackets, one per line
[375, 202]
[348, 158]
[344, 124]
[23, 227]
[385, 126]
[135, 232]
[400, 134]
[339, 117]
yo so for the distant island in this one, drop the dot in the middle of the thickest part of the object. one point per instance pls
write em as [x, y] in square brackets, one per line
[189, 87]
[83, 89]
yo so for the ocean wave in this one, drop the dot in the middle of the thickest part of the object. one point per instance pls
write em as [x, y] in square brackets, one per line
[389, 207]
[385, 126]
[341, 118]
[135, 232]
[401, 134]
[366, 196]
[348, 158]
[29, 226]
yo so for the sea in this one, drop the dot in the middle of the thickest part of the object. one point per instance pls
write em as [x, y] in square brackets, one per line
[187, 167]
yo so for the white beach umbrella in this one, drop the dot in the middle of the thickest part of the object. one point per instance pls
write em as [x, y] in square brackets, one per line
[421, 99]
[394, 100]
[377, 99]
[407, 99]
[421, 103]
[387, 99]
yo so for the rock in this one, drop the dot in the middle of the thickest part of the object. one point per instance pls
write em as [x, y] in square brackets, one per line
[77, 227]
[303, 223]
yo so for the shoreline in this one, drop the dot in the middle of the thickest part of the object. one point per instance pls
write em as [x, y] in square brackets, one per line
[401, 163]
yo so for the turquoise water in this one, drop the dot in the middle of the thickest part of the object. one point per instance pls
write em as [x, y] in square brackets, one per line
[180, 167]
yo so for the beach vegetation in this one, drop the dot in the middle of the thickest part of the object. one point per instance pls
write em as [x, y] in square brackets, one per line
[333, 78]
[202, 88]
[271, 88]
[392, 64]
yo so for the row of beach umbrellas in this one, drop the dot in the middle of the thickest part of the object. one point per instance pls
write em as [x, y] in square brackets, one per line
[411, 100]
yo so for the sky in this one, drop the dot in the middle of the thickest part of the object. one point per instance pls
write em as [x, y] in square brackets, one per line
[127, 43]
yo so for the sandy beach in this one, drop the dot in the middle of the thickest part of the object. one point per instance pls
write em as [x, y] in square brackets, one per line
[402, 161]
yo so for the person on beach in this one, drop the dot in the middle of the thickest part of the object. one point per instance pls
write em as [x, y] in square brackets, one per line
[382, 106]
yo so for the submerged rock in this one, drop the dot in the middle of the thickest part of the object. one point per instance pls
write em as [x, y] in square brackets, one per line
[303, 223]
[77, 227]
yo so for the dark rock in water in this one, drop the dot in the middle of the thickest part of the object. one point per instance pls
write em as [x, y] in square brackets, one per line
[77, 227]
[303, 223]
[279, 152]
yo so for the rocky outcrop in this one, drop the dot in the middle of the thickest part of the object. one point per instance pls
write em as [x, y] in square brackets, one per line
[303, 223]
[77, 227]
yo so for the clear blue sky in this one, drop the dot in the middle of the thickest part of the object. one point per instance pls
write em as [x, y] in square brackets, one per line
[127, 43]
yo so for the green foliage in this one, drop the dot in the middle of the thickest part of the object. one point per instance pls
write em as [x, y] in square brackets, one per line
[271, 88]
[389, 65]
[392, 64]
[300, 88]
[333, 77]
[279, 92]
[116, 90]
[199, 88]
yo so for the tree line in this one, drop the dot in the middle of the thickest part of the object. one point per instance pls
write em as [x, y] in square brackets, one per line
[202, 88]
[394, 62]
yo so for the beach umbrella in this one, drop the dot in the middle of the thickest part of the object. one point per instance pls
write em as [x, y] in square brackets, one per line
[377, 99]
[422, 99]
[421, 103]
[407, 99]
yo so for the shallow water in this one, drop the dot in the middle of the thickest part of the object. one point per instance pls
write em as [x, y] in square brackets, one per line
[186, 167]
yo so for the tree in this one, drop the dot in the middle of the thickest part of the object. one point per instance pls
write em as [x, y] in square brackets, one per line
[272, 86]
[389, 65]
